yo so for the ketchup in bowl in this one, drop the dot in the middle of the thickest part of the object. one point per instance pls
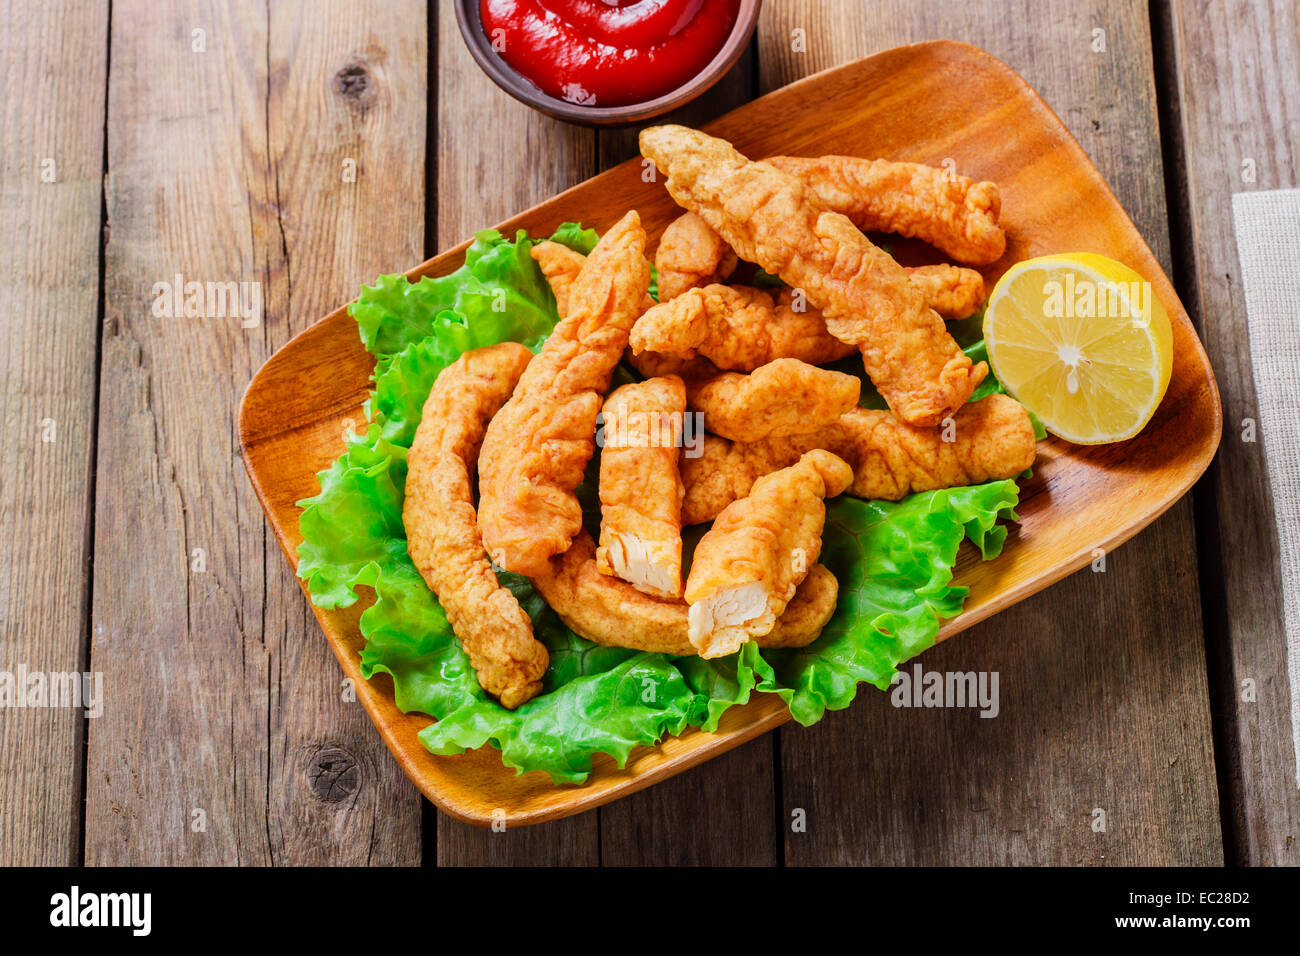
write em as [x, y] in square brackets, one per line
[608, 52]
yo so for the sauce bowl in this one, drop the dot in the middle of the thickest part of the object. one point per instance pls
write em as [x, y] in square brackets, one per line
[480, 47]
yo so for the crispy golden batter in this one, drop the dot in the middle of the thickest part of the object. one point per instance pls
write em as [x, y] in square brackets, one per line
[771, 218]
[785, 397]
[990, 439]
[442, 531]
[691, 254]
[747, 567]
[738, 328]
[641, 486]
[611, 612]
[690, 370]
[561, 266]
[953, 213]
[953, 292]
[537, 447]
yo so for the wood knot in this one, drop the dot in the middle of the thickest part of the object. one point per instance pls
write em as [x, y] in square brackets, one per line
[334, 775]
[356, 84]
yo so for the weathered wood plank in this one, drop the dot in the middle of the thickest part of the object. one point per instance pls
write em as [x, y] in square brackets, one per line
[718, 814]
[54, 62]
[497, 157]
[1233, 70]
[227, 164]
[1102, 677]
[354, 74]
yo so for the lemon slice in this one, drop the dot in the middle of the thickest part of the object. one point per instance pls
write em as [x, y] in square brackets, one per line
[1083, 343]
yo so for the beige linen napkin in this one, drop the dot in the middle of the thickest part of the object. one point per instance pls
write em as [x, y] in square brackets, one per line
[1268, 245]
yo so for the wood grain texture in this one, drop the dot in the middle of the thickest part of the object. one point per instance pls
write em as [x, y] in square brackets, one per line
[1102, 677]
[718, 814]
[220, 691]
[54, 63]
[901, 102]
[497, 157]
[1234, 70]
[227, 164]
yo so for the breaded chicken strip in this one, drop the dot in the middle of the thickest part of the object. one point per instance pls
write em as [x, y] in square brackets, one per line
[953, 292]
[609, 611]
[537, 447]
[747, 567]
[641, 486]
[691, 254]
[737, 328]
[952, 213]
[771, 218]
[955, 214]
[990, 439]
[785, 397]
[740, 328]
[690, 370]
[442, 532]
[561, 266]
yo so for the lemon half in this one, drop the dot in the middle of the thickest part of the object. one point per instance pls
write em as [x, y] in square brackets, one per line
[1083, 343]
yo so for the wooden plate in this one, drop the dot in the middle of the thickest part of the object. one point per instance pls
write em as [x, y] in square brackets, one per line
[931, 102]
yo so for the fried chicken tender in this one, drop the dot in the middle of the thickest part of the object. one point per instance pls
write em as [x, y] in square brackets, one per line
[442, 531]
[953, 213]
[749, 564]
[691, 254]
[691, 370]
[990, 439]
[561, 266]
[785, 397]
[737, 328]
[740, 328]
[641, 486]
[537, 447]
[610, 612]
[772, 218]
[953, 292]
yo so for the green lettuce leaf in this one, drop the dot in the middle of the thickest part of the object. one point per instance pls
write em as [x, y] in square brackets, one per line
[498, 295]
[633, 703]
[353, 528]
[578, 239]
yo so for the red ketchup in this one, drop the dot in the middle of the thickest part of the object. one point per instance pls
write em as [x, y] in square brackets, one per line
[608, 52]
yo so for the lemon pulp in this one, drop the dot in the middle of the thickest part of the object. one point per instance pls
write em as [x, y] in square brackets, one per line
[1082, 342]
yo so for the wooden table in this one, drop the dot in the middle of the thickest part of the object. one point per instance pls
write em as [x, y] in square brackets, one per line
[310, 146]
